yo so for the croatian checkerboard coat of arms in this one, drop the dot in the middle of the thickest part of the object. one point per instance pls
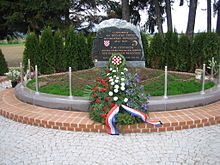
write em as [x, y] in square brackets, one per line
[106, 43]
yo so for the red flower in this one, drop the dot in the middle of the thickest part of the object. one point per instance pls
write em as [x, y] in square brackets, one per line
[106, 88]
[97, 79]
[95, 89]
[97, 101]
[103, 115]
[96, 84]
[102, 89]
[107, 98]
[107, 70]
[107, 79]
[102, 81]
[92, 109]
[106, 84]
[91, 103]
[112, 105]
[94, 94]
[104, 108]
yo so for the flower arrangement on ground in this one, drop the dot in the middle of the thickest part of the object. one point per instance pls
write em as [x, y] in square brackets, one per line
[13, 74]
[116, 86]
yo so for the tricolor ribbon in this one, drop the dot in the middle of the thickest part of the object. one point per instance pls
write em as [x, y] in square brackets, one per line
[112, 114]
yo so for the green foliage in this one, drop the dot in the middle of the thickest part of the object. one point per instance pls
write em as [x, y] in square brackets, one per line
[184, 54]
[145, 47]
[60, 61]
[71, 49]
[3, 64]
[31, 51]
[156, 52]
[89, 41]
[198, 52]
[46, 48]
[170, 50]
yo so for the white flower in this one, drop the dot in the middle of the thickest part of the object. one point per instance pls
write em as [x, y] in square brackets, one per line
[125, 69]
[116, 86]
[114, 76]
[110, 93]
[122, 79]
[116, 81]
[117, 78]
[108, 74]
[110, 80]
[110, 77]
[122, 88]
[110, 69]
[122, 84]
[114, 71]
[116, 90]
[126, 100]
[122, 72]
[115, 98]
[112, 83]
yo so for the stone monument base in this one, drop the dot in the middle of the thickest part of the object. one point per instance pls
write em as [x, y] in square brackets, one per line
[140, 64]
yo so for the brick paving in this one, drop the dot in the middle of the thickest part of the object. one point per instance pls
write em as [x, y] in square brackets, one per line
[14, 109]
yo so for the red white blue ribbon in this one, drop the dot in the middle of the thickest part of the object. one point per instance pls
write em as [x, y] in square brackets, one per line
[111, 118]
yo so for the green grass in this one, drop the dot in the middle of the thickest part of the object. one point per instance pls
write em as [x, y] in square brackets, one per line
[176, 86]
[55, 89]
[13, 44]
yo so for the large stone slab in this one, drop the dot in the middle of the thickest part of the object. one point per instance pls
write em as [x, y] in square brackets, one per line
[118, 36]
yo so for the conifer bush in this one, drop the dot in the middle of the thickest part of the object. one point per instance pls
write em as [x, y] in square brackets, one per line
[71, 49]
[184, 54]
[145, 48]
[46, 48]
[170, 50]
[3, 64]
[156, 52]
[31, 51]
[60, 61]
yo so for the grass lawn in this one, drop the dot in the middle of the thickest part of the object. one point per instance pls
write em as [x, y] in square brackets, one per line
[153, 81]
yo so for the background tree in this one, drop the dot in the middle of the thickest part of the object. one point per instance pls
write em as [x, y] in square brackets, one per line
[209, 16]
[158, 16]
[191, 18]
[217, 10]
[125, 10]
[3, 64]
[144, 38]
[169, 16]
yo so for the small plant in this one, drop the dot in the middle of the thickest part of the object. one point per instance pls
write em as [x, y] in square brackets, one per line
[215, 66]
[13, 74]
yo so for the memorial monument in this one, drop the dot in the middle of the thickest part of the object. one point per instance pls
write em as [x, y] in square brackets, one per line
[118, 36]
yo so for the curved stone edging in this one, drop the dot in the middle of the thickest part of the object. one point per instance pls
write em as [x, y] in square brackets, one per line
[81, 104]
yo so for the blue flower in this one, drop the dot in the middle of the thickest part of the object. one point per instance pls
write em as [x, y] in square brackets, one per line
[131, 100]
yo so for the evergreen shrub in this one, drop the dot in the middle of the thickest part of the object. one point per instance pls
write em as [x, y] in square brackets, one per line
[3, 64]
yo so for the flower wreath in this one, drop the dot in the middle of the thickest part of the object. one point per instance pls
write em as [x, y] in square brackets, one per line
[114, 93]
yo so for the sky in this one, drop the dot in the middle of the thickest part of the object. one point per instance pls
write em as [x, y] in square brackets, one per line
[180, 17]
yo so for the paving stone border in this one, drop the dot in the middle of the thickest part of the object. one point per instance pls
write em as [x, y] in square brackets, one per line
[12, 108]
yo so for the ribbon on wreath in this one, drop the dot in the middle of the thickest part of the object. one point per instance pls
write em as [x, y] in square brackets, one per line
[112, 114]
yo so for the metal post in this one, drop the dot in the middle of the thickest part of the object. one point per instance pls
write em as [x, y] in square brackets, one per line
[21, 74]
[203, 81]
[212, 69]
[29, 69]
[70, 82]
[219, 75]
[36, 80]
[165, 84]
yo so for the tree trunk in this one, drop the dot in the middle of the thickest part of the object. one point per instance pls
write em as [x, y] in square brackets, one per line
[125, 10]
[218, 18]
[169, 17]
[158, 16]
[191, 18]
[209, 21]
